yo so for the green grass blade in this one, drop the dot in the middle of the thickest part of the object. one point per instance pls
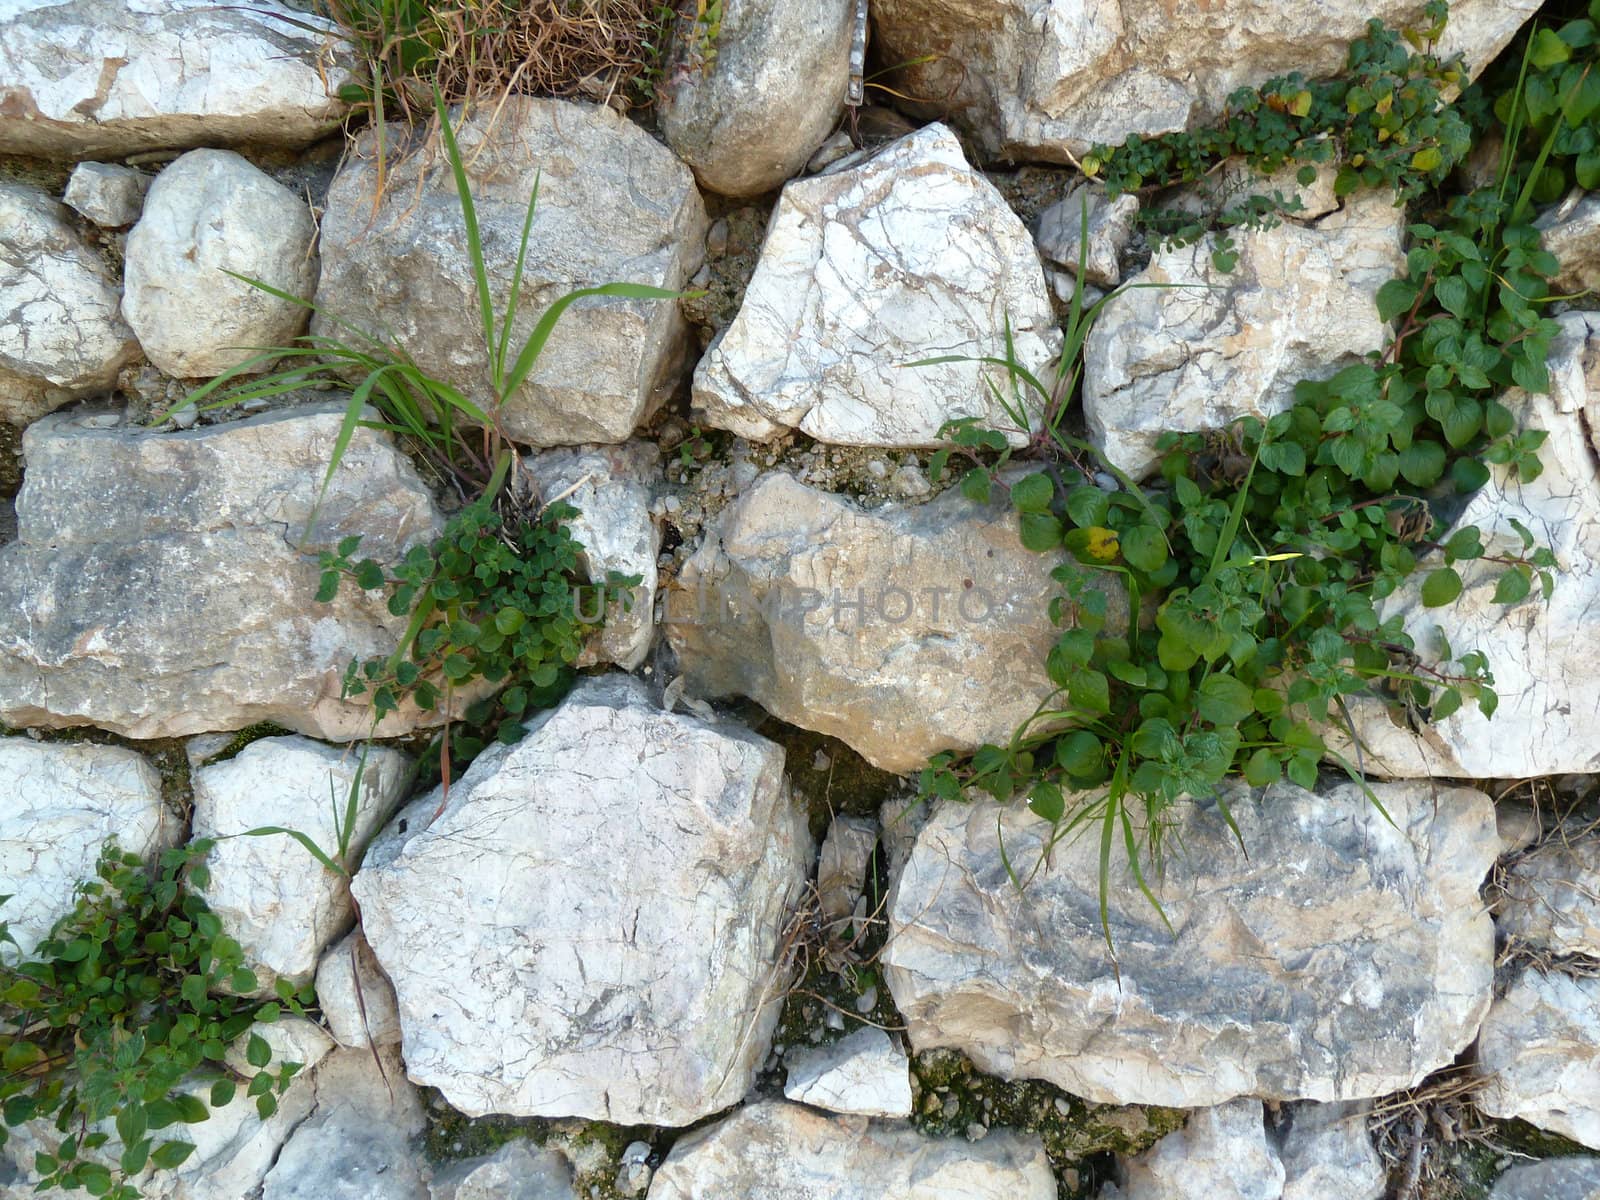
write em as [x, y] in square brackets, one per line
[317, 851]
[516, 288]
[534, 346]
[469, 217]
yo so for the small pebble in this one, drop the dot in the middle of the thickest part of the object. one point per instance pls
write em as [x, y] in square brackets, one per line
[834, 1019]
[830, 152]
[878, 469]
[820, 761]
[867, 1001]
[976, 1132]
[717, 238]
[1062, 1106]
[910, 482]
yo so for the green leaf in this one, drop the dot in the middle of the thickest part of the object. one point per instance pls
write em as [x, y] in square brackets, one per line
[191, 1109]
[1422, 463]
[1033, 494]
[1090, 690]
[222, 1092]
[1452, 292]
[1080, 753]
[169, 1155]
[1040, 532]
[1046, 800]
[1513, 586]
[975, 485]
[1224, 701]
[257, 1052]
[1144, 547]
[1440, 587]
[1262, 770]
[1547, 49]
[1396, 297]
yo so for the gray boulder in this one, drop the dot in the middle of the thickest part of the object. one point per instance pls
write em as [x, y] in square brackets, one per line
[1552, 1179]
[516, 1171]
[61, 335]
[162, 584]
[107, 194]
[209, 213]
[1345, 958]
[1552, 897]
[614, 206]
[87, 78]
[1539, 1055]
[747, 115]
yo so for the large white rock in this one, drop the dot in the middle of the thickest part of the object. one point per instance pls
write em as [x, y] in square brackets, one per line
[591, 927]
[1552, 898]
[901, 631]
[514, 1172]
[1345, 958]
[64, 800]
[1548, 720]
[614, 206]
[1552, 1179]
[80, 78]
[158, 586]
[611, 487]
[1222, 1153]
[910, 256]
[775, 1151]
[1059, 233]
[356, 997]
[209, 213]
[61, 335]
[1046, 79]
[1539, 1054]
[747, 116]
[1571, 231]
[865, 1074]
[272, 896]
[1214, 346]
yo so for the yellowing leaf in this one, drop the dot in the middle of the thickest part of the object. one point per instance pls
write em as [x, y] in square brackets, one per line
[1103, 543]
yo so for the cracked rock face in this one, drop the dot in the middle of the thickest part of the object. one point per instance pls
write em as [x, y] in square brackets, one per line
[865, 1074]
[614, 206]
[63, 801]
[1552, 1179]
[81, 78]
[1539, 1053]
[1048, 79]
[591, 927]
[1268, 989]
[1553, 898]
[61, 334]
[1541, 653]
[1298, 304]
[776, 1151]
[272, 896]
[157, 586]
[208, 213]
[901, 631]
[749, 118]
[910, 256]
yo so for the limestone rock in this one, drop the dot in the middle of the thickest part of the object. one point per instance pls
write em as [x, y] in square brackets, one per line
[611, 488]
[1553, 898]
[208, 213]
[774, 1151]
[107, 194]
[1328, 1152]
[1572, 233]
[1060, 233]
[516, 1171]
[1548, 720]
[747, 116]
[842, 865]
[157, 586]
[909, 256]
[901, 631]
[1221, 1153]
[356, 997]
[1298, 304]
[80, 78]
[1540, 1055]
[63, 801]
[591, 927]
[61, 336]
[1552, 1179]
[614, 206]
[864, 1074]
[1270, 987]
[272, 896]
[291, 1039]
[1034, 80]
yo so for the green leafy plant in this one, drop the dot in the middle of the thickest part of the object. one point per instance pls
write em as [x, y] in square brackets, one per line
[115, 1027]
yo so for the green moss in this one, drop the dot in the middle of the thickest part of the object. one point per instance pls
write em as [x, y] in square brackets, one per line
[251, 733]
[10, 460]
[1471, 1167]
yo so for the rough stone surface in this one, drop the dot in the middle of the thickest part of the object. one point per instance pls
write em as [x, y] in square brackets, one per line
[63, 800]
[774, 1151]
[1271, 987]
[864, 1074]
[80, 78]
[1553, 898]
[614, 206]
[1540, 1054]
[360, 1143]
[1552, 1179]
[1548, 720]
[514, 1172]
[291, 1039]
[792, 601]
[1298, 304]
[107, 194]
[749, 118]
[842, 865]
[362, 1013]
[61, 335]
[611, 487]
[908, 256]
[1060, 233]
[1572, 233]
[272, 896]
[208, 213]
[591, 926]
[1047, 81]
[157, 587]
[1327, 1152]
[1222, 1153]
